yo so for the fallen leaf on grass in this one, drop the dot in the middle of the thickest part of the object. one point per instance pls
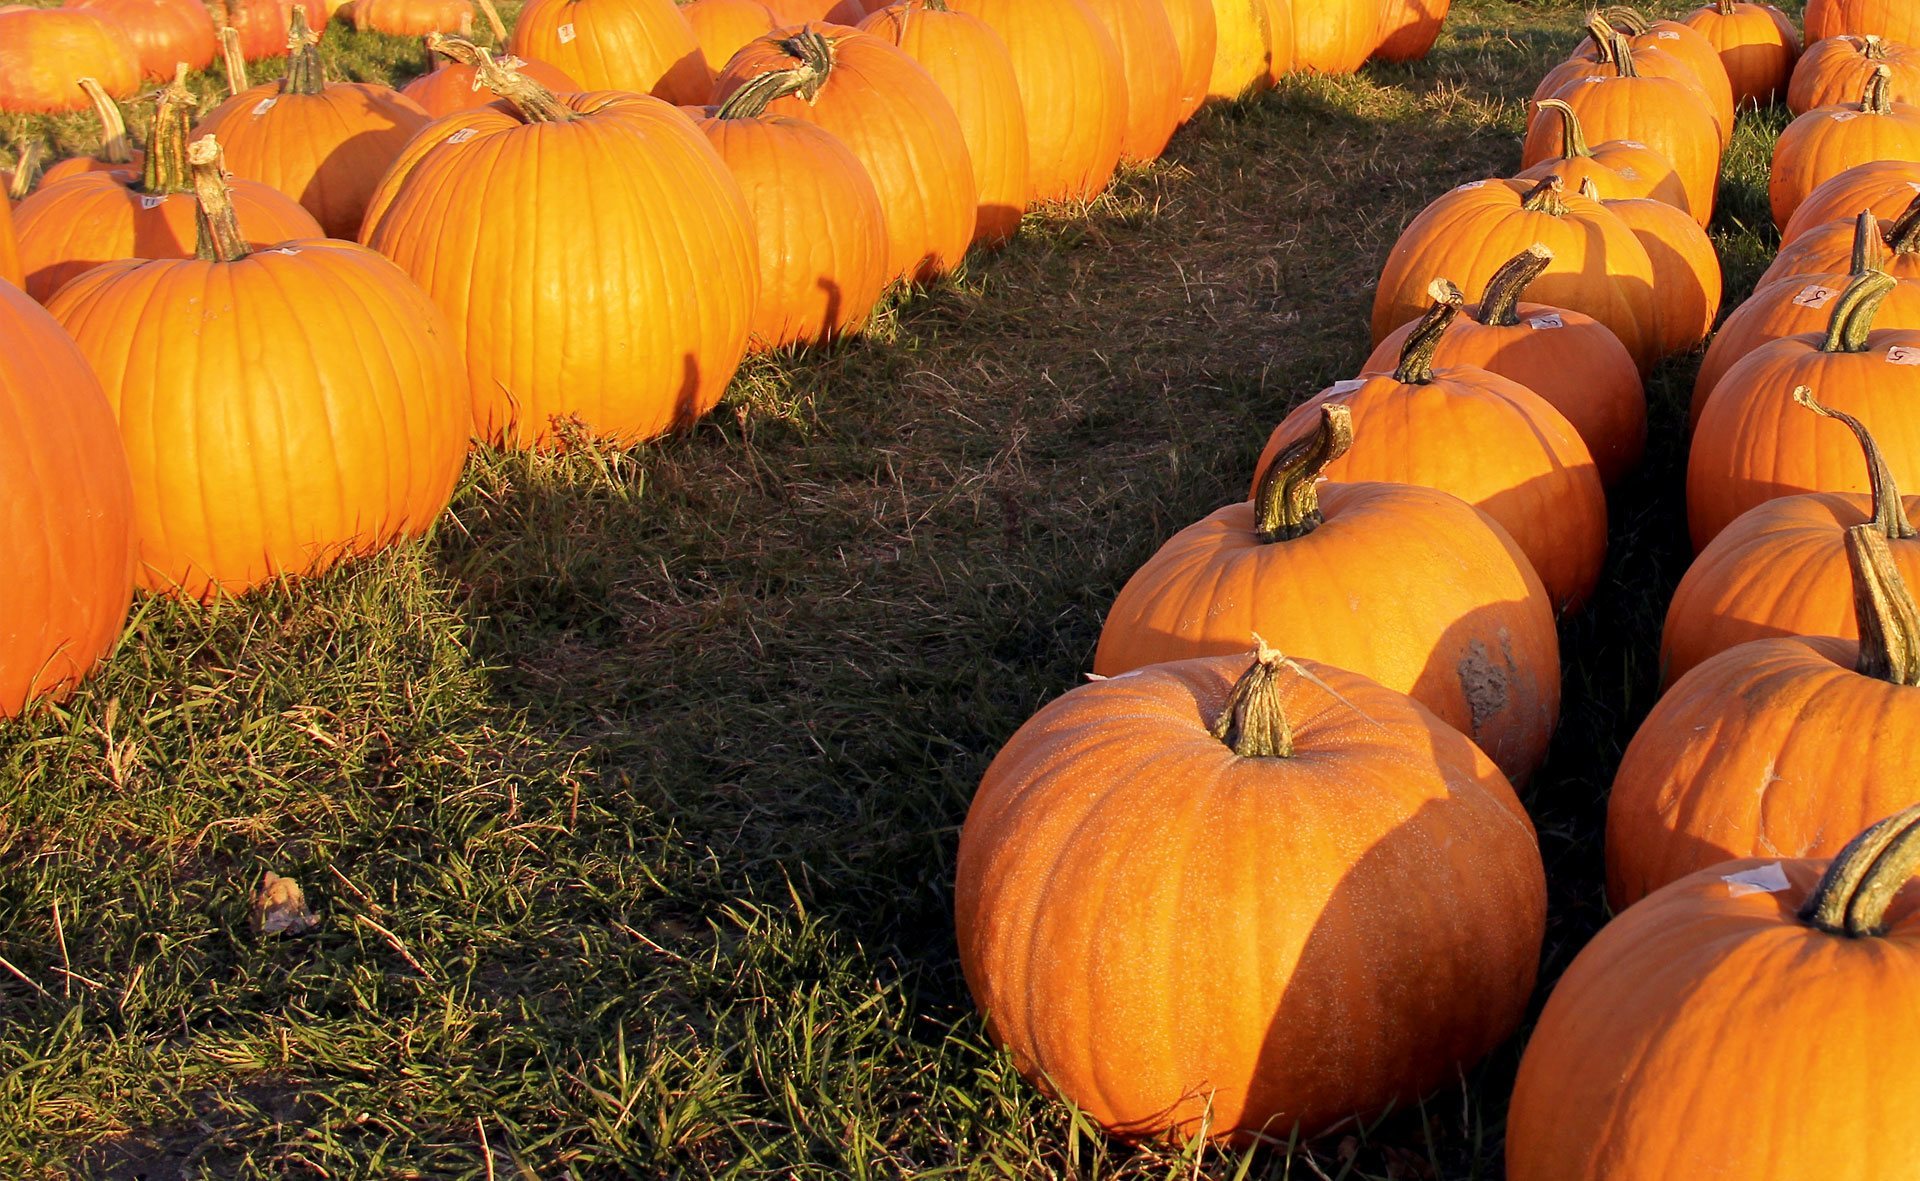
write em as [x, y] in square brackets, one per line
[280, 907]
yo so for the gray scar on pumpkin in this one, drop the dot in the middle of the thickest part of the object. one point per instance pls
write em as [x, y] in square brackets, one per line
[1485, 680]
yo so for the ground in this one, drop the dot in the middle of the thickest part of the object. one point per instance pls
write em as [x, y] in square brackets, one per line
[628, 802]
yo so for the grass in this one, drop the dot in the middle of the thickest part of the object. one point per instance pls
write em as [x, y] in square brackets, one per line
[628, 802]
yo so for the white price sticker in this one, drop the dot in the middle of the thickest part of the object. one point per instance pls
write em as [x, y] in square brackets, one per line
[1844, 116]
[1665, 35]
[1629, 174]
[463, 135]
[1549, 321]
[1903, 354]
[1768, 879]
[1814, 296]
[565, 33]
[1345, 387]
[152, 200]
[1634, 144]
[263, 106]
[1470, 185]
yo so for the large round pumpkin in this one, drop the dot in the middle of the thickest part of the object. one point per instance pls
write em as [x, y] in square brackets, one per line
[1619, 168]
[723, 27]
[1757, 43]
[1318, 828]
[42, 51]
[1687, 282]
[66, 511]
[1886, 187]
[1408, 28]
[1826, 141]
[163, 33]
[643, 46]
[1837, 70]
[627, 326]
[1896, 20]
[350, 436]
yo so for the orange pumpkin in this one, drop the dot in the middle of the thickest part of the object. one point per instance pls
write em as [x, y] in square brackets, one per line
[116, 152]
[66, 510]
[881, 104]
[1196, 35]
[42, 50]
[1689, 1033]
[788, 14]
[1321, 829]
[1651, 55]
[1598, 267]
[1619, 168]
[1242, 49]
[1827, 248]
[1680, 40]
[1281, 56]
[643, 46]
[1150, 68]
[969, 63]
[1885, 187]
[1757, 43]
[1408, 28]
[325, 144]
[1335, 36]
[1826, 141]
[723, 27]
[630, 326]
[1686, 268]
[73, 225]
[1835, 71]
[351, 439]
[454, 86]
[1752, 444]
[163, 33]
[260, 25]
[10, 268]
[1896, 20]
[1568, 358]
[1781, 568]
[412, 18]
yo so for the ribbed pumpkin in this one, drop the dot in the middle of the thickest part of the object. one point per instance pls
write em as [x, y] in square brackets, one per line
[1242, 49]
[723, 27]
[73, 225]
[1072, 86]
[454, 86]
[631, 325]
[261, 25]
[1150, 68]
[1196, 35]
[1683, 41]
[1319, 828]
[1828, 248]
[1781, 569]
[1650, 56]
[1758, 46]
[1619, 168]
[1686, 268]
[1335, 36]
[42, 50]
[969, 63]
[1468, 234]
[350, 438]
[163, 33]
[66, 510]
[1749, 1020]
[1661, 113]
[1896, 20]
[1753, 444]
[1490, 441]
[116, 150]
[325, 144]
[818, 222]
[1826, 141]
[1835, 71]
[884, 106]
[1886, 187]
[1408, 28]
[412, 18]
[1318, 565]
[1570, 359]
[644, 46]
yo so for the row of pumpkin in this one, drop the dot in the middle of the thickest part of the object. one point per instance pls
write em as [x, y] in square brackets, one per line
[1261, 899]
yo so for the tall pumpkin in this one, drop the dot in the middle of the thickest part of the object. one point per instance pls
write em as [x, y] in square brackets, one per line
[1896, 20]
[1335, 36]
[352, 438]
[1196, 33]
[1242, 48]
[644, 46]
[1150, 68]
[42, 50]
[1319, 828]
[1835, 71]
[629, 326]
[1408, 28]
[1757, 44]
[1826, 141]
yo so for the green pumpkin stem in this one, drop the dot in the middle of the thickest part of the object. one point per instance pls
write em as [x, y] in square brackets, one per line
[813, 53]
[220, 238]
[114, 148]
[166, 171]
[1858, 888]
[1548, 196]
[1500, 305]
[1623, 57]
[1903, 235]
[534, 102]
[1601, 34]
[305, 73]
[1889, 511]
[1252, 722]
[234, 60]
[1853, 313]
[1877, 98]
[1573, 137]
[1869, 247]
[1884, 608]
[1287, 503]
[1416, 356]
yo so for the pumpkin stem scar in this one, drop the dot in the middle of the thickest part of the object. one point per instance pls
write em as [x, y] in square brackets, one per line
[1416, 358]
[220, 237]
[305, 73]
[1889, 621]
[1853, 312]
[1499, 307]
[1287, 503]
[1573, 137]
[533, 102]
[1252, 721]
[165, 171]
[1860, 883]
[1889, 512]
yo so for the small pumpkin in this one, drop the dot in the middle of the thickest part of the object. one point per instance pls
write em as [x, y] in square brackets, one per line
[42, 50]
[1826, 141]
[1408, 29]
[1757, 43]
[1201, 795]
[163, 33]
[1835, 71]
[1896, 20]
[1620, 169]
[455, 86]
[116, 153]
[642, 46]
[723, 27]
[1886, 187]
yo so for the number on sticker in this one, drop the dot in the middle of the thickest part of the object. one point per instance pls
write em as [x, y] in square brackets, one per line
[152, 200]
[566, 33]
[1901, 354]
[463, 135]
[263, 106]
[1550, 320]
[1813, 296]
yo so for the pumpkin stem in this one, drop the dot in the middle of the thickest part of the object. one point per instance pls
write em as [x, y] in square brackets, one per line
[1903, 236]
[234, 60]
[1872, 48]
[1622, 17]
[220, 238]
[1623, 57]
[1601, 34]
[1416, 356]
[1725, 7]
[494, 22]
[1853, 312]
[26, 166]
[1287, 503]
[1252, 722]
[1499, 307]
[534, 102]
[1854, 894]
[1549, 197]
[1869, 248]
[305, 73]
[1573, 137]
[166, 169]
[1889, 512]
[1889, 620]
[1877, 99]
[814, 53]
[114, 148]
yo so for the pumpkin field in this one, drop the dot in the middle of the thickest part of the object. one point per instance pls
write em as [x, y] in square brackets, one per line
[599, 811]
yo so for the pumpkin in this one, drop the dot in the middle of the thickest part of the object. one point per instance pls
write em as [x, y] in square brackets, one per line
[66, 510]
[1335, 36]
[1749, 1015]
[1073, 89]
[723, 27]
[1896, 20]
[1686, 268]
[73, 225]
[323, 143]
[1568, 358]
[1598, 267]
[1243, 48]
[1757, 44]
[452, 86]
[1835, 71]
[1829, 248]
[631, 325]
[1619, 168]
[1196, 35]
[1652, 55]
[1150, 70]
[1281, 57]
[790, 13]
[1490, 441]
[260, 25]
[644, 46]
[115, 154]
[1319, 827]
[1781, 569]
[1408, 29]
[1827, 141]
[42, 50]
[1682, 41]
[885, 107]
[412, 18]
[1751, 444]
[163, 33]
[243, 473]
[968, 62]
[1661, 113]
[1886, 187]
[818, 222]
[10, 269]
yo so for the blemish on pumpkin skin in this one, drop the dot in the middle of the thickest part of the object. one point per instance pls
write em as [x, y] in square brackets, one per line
[1485, 681]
